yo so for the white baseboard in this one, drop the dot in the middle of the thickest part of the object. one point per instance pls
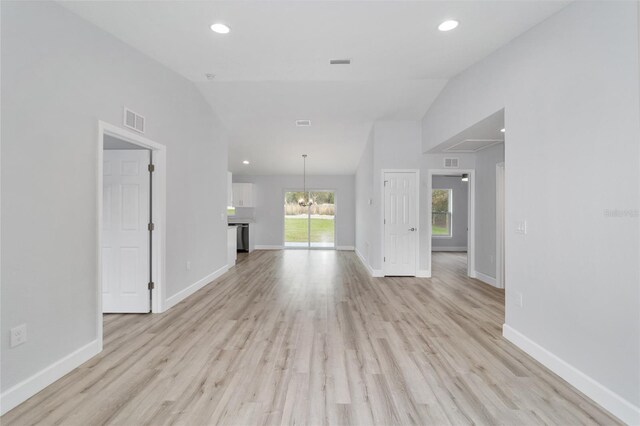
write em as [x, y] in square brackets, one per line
[269, 247]
[434, 248]
[423, 273]
[24, 390]
[485, 278]
[609, 400]
[372, 272]
[345, 248]
[183, 294]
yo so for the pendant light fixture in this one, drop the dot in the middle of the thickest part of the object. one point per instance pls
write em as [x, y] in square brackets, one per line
[305, 201]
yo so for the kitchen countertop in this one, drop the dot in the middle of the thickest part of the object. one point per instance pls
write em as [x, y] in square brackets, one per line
[240, 220]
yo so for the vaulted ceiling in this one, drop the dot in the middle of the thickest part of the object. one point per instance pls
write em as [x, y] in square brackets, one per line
[273, 67]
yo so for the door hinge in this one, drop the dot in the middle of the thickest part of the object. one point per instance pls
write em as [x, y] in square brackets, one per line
[151, 168]
[385, 182]
[384, 259]
[151, 285]
[151, 227]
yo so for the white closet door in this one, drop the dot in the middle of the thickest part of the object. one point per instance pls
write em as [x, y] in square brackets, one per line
[125, 234]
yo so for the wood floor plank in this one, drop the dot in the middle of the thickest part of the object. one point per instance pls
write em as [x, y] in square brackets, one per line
[308, 337]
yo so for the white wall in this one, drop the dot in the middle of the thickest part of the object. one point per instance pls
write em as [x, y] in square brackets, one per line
[569, 88]
[391, 145]
[364, 200]
[60, 75]
[269, 212]
[460, 210]
[485, 226]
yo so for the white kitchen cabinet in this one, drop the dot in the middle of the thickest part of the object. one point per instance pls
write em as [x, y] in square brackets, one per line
[243, 195]
[229, 189]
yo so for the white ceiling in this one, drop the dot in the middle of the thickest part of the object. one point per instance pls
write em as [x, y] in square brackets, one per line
[273, 68]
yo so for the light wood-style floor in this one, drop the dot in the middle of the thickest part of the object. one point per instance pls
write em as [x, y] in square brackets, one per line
[307, 337]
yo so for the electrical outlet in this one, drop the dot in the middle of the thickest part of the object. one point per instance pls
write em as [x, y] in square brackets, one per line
[188, 265]
[517, 299]
[18, 335]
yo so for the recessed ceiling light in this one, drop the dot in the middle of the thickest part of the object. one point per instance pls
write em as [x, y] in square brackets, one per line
[220, 28]
[245, 162]
[503, 130]
[448, 25]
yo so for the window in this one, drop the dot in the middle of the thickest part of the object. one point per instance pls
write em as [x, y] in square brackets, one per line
[310, 226]
[441, 211]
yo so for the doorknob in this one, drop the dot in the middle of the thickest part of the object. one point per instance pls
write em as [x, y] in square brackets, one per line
[412, 229]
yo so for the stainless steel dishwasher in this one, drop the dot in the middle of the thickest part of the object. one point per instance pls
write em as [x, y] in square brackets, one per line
[243, 236]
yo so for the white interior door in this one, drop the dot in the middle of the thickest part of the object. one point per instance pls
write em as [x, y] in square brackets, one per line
[125, 233]
[400, 223]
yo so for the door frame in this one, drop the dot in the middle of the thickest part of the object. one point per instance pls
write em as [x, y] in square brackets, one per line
[500, 225]
[335, 220]
[159, 213]
[382, 224]
[471, 217]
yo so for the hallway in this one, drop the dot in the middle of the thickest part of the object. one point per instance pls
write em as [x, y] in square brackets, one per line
[307, 337]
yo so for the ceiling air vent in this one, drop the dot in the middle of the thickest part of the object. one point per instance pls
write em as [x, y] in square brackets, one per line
[133, 121]
[303, 123]
[450, 163]
[340, 62]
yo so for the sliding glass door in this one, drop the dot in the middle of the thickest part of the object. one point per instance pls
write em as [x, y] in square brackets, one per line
[311, 226]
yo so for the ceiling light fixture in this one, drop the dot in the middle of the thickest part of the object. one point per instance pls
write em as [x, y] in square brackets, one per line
[245, 162]
[220, 28]
[503, 130]
[306, 200]
[448, 25]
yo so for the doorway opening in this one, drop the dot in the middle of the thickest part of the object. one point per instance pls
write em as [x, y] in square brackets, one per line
[451, 207]
[131, 212]
[310, 226]
[450, 216]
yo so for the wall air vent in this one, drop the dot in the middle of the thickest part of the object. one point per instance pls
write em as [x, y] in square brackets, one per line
[303, 123]
[340, 62]
[133, 121]
[450, 163]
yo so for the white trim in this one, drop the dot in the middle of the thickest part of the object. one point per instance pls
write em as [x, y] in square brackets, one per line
[159, 197]
[471, 216]
[382, 224]
[485, 278]
[449, 248]
[500, 224]
[609, 400]
[267, 247]
[345, 248]
[423, 273]
[24, 390]
[183, 294]
[376, 273]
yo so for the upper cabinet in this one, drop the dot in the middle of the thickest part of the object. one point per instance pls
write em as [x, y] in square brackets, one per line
[229, 189]
[243, 195]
